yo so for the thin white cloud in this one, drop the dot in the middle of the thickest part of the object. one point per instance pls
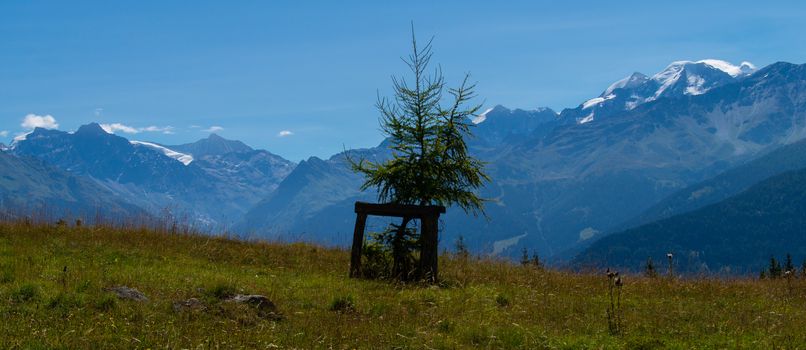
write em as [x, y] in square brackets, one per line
[285, 133]
[32, 121]
[214, 128]
[163, 129]
[3, 133]
[115, 127]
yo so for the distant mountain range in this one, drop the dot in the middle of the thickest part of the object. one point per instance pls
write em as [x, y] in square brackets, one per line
[559, 182]
[213, 187]
[647, 148]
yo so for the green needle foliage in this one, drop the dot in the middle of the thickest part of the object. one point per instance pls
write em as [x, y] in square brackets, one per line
[430, 163]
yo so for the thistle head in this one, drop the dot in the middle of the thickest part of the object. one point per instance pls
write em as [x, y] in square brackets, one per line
[669, 255]
[618, 282]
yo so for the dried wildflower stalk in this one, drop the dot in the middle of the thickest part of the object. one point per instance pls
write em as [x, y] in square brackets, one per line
[614, 284]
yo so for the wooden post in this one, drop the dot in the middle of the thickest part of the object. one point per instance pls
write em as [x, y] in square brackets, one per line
[429, 235]
[429, 241]
[358, 245]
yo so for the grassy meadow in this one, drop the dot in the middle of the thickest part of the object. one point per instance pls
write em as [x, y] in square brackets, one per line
[53, 280]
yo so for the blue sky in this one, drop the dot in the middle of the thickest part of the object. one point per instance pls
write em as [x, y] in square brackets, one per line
[170, 70]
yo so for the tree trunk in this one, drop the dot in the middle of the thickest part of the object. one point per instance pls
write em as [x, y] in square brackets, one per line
[400, 266]
[429, 254]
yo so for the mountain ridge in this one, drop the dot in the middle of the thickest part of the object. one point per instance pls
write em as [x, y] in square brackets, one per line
[212, 189]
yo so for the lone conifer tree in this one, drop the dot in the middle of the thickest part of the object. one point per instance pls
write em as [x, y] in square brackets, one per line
[775, 268]
[430, 164]
[649, 269]
[525, 257]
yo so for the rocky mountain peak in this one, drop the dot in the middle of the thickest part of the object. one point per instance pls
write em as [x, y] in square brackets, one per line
[91, 129]
[212, 145]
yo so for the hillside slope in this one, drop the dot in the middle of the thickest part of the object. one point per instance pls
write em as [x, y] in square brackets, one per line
[736, 235]
[55, 286]
[735, 180]
[29, 187]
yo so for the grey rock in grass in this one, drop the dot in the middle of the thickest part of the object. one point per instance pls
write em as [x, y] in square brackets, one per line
[190, 304]
[265, 307]
[259, 301]
[127, 293]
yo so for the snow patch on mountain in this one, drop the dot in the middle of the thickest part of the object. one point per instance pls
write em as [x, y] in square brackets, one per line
[588, 233]
[185, 159]
[634, 102]
[597, 100]
[587, 119]
[668, 77]
[502, 245]
[481, 117]
[635, 79]
[695, 85]
[744, 68]
[19, 138]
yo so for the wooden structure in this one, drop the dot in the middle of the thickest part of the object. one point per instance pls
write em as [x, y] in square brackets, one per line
[429, 236]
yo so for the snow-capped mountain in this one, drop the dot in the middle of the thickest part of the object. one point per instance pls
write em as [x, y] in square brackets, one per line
[681, 78]
[159, 178]
[697, 78]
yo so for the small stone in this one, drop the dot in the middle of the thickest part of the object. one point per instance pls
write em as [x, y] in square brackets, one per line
[190, 304]
[127, 293]
[259, 301]
[266, 307]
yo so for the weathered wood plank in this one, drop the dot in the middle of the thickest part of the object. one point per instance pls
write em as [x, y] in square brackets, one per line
[399, 210]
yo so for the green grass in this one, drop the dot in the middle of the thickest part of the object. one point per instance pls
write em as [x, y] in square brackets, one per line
[485, 304]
